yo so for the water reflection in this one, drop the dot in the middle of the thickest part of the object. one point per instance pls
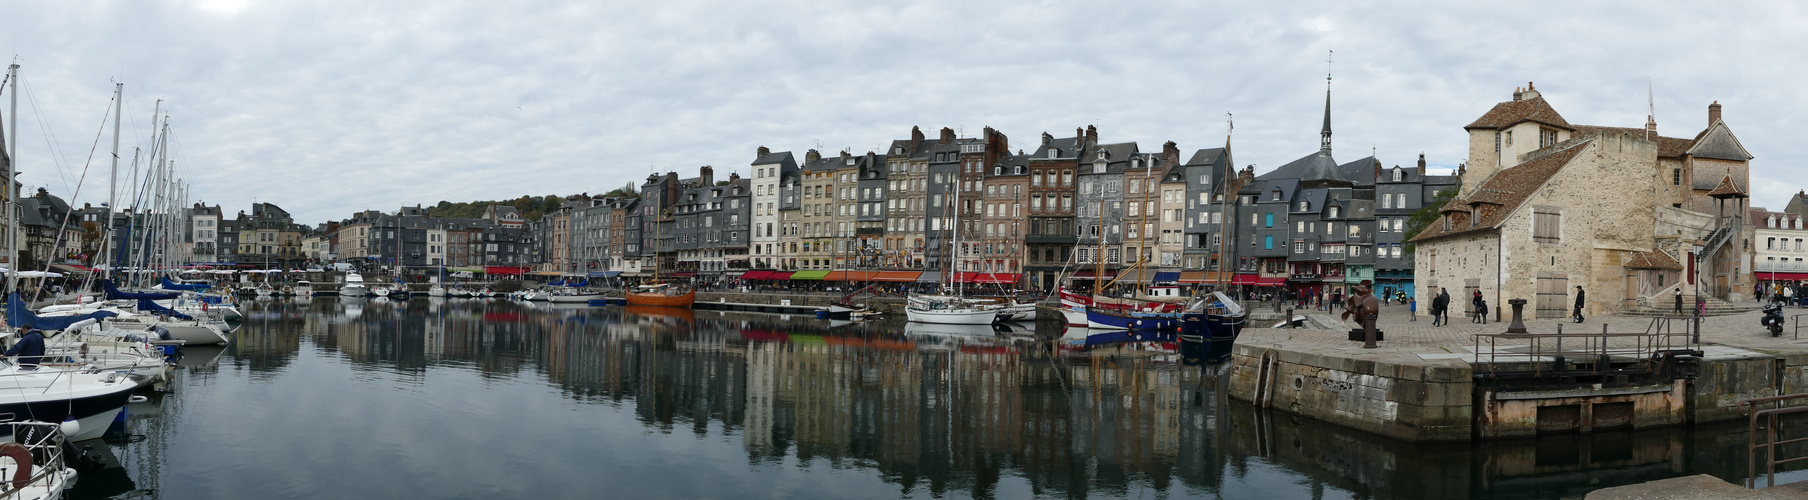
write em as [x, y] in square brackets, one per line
[926, 409]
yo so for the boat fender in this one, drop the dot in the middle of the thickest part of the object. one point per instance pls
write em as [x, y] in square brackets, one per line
[162, 333]
[22, 457]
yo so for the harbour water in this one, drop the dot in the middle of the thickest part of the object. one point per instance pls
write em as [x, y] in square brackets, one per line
[494, 399]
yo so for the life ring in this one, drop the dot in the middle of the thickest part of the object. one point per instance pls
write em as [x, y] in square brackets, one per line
[203, 306]
[22, 457]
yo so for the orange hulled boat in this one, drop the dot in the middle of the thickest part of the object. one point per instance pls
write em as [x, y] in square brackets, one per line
[665, 295]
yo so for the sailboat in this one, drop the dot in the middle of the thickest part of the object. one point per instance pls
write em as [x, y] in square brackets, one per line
[661, 294]
[1129, 313]
[1218, 317]
[955, 309]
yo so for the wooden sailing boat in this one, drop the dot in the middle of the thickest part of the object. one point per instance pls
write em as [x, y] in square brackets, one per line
[1132, 313]
[661, 294]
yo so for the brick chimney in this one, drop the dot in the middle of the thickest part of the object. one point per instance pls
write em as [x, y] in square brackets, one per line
[1530, 92]
[1047, 138]
[1079, 138]
[1518, 93]
[1461, 168]
[1092, 135]
[706, 175]
[812, 156]
[1421, 164]
[916, 136]
[947, 135]
[733, 176]
[1713, 113]
[1171, 152]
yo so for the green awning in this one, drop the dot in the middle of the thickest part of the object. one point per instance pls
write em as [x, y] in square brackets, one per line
[809, 275]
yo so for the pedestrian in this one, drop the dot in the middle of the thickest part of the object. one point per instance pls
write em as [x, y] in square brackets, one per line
[1580, 296]
[29, 348]
[1440, 308]
[1412, 310]
[1480, 308]
[1678, 301]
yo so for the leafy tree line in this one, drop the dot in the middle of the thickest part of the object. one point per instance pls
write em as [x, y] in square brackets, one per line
[531, 207]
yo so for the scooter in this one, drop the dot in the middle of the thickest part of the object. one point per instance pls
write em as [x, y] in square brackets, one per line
[1773, 319]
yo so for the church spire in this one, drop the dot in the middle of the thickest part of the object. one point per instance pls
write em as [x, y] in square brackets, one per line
[1324, 140]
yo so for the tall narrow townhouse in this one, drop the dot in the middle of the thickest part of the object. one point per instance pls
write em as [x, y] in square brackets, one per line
[1171, 212]
[769, 169]
[907, 202]
[816, 215]
[1142, 204]
[1051, 235]
[975, 155]
[790, 219]
[737, 214]
[1212, 182]
[942, 213]
[872, 244]
[658, 195]
[1101, 205]
[1006, 217]
[844, 194]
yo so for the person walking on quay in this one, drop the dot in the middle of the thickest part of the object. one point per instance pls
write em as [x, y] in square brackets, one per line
[1440, 308]
[1678, 301]
[1481, 308]
[1580, 296]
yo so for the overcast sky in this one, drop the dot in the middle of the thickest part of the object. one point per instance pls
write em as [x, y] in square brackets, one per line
[326, 108]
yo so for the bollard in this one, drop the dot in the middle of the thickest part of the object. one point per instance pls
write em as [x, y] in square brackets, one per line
[1518, 325]
[1289, 318]
[1557, 360]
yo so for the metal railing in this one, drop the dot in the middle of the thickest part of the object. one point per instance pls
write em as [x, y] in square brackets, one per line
[1546, 352]
[1766, 420]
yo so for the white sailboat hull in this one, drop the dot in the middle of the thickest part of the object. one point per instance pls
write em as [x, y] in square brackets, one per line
[951, 316]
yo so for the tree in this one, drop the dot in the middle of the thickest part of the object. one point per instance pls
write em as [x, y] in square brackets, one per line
[1427, 214]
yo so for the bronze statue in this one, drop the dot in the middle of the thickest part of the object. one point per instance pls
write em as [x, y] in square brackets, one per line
[1367, 309]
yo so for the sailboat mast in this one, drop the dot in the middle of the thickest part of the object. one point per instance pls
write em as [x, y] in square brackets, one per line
[1224, 219]
[954, 246]
[12, 195]
[113, 178]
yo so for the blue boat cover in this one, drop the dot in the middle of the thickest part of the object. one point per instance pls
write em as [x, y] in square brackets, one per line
[113, 293]
[184, 287]
[604, 274]
[579, 283]
[18, 315]
[153, 308]
[1167, 277]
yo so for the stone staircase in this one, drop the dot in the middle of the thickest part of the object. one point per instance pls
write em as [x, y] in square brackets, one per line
[1715, 307]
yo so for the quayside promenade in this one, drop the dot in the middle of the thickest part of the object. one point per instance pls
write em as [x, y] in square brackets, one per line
[1467, 381]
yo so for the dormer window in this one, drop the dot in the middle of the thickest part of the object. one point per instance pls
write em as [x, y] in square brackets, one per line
[997, 170]
[1054, 153]
[1334, 212]
[1017, 170]
[1397, 174]
[1277, 196]
[1102, 154]
[1305, 205]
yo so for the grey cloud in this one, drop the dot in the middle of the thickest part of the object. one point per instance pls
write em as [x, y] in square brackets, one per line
[330, 107]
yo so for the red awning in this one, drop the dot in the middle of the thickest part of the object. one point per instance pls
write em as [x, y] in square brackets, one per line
[1245, 279]
[1272, 282]
[779, 275]
[683, 275]
[1770, 276]
[755, 275]
[987, 278]
[504, 270]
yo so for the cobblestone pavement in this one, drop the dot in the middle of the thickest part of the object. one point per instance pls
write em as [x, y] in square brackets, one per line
[1402, 332]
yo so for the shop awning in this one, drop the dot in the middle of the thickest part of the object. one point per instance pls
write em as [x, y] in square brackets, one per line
[897, 276]
[1272, 281]
[1167, 277]
[683, 275]
[603, 274]
[505, 270]
[69, 268]
[987, 278]
[547, 273]
[1770, 276]
[1245, 279]
[930, 277]
[756, 275]
[809, 275]
[851, 276]
[779, 275]
[1136, 276]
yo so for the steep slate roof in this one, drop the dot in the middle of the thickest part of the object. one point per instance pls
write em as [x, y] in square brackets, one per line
[1507, 190]
[1207, 156]
[1360, 172]
[1511, 113]
[1717, 142]
[1651, 260]
[1312, 167]
[769, 158]
[1066, 147]
[1727, 189]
